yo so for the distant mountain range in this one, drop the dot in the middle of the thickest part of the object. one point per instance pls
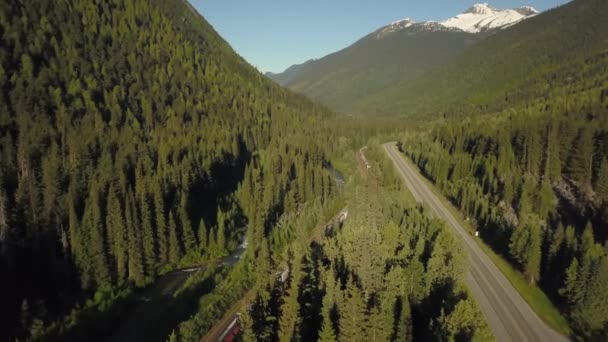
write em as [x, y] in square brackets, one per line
[393, 54]
[483, 17]
[479, 18]
[560, 51]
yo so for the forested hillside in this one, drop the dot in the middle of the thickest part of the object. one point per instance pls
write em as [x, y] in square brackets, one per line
[534, 181]
[134, 141]
[344, 80]
[552, 55]
[389, 273]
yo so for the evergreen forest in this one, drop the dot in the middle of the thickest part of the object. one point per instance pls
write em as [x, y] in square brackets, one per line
[155, 186]
[135, 142]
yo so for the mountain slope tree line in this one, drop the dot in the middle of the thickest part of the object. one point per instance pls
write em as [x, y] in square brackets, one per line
[388, 273]
[135, 141]
[533, 180]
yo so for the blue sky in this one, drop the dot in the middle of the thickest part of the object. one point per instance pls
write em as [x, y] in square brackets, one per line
[274, 34]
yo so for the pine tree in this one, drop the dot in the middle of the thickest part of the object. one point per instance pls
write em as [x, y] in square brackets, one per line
[533, 153]
[593, 311]
[526, 197]
[327, 333]
[135, 259]
[587, 238]
[573, 289]
[580, 167]
[175, 252]
[403, 330]
[93, 224]
[546, 200]
[161, 226]
[557, 240]
[352, 314]
[202, 236]
[534, 253]
[115, 224]
[148, 235]
[51, 179]
[374, 326]
[552, 167]
[290, 317]
[310, 297]
[601, 182]
[247, 327]
[188, 237]
[220, 238]
[525, 247]
[76, 241]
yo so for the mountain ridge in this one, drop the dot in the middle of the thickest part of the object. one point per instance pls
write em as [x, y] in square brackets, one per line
[480, 9]
[392, 54]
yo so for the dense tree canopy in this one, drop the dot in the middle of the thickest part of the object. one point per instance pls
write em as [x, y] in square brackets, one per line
[551, 55]
[533, 180]
[389, 273]
[133, 141]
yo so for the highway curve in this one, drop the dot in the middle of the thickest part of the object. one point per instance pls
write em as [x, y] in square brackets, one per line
[508, 315]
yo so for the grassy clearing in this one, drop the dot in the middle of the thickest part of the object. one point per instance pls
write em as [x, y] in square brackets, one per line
[532, 294]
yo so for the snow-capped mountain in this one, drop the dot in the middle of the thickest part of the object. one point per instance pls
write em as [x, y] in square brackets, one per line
[527, 11]
[479, 18]
[399, 25]
[483, 17]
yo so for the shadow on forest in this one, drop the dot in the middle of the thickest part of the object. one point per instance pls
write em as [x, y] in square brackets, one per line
[208, 192]
[155, 319]
[442, 297]
[215, 189]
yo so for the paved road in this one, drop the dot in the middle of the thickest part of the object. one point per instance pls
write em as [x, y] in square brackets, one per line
[508, 315]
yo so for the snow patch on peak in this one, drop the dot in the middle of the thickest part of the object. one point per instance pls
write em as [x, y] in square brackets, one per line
[405, 21]
[394, 27]
[480, 9]
[479, 18]
[527, 10]
[483, 17]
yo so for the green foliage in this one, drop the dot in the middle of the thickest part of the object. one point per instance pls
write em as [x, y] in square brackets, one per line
[550, 56]
[289, 318]
[327, 333]
[347, 79]
[601, 183]
[465, 321]
[581, 163]
[487, 167]
[231, 284]
[352, 315]
[125, 126]
[525, 247]
[387, 263]
[593, 310]
[174, 246]
[436, 74]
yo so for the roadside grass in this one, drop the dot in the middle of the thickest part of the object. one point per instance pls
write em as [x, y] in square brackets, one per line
[532, 294]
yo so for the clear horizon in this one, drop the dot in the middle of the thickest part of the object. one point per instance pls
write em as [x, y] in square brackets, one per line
[273, 35]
